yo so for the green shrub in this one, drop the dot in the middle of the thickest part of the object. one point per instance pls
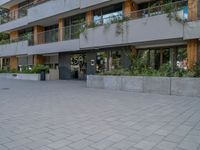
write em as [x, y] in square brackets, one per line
[39, 68]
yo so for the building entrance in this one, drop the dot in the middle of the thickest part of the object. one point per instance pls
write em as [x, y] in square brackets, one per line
[78, 66]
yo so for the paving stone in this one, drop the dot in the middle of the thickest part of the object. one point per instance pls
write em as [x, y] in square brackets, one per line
[164, 145]
[65, 115]
[145, 145]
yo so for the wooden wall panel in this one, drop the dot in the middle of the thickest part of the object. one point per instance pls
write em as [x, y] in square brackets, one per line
[38, 35]
[193, 9]
[129, 6]
[192, 52]
[13, 62]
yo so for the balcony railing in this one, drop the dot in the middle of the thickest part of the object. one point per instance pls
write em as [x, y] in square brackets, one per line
[15, 14]
[55, 35]
[27, 37]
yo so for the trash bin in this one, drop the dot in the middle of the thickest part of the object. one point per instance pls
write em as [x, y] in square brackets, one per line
[42, 75]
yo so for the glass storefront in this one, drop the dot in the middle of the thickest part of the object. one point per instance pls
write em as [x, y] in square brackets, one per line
[156, 57]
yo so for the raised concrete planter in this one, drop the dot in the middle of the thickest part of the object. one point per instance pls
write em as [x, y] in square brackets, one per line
[132, 84]
[185, 86]
[156, 85]
[159, 85]
[20, 76]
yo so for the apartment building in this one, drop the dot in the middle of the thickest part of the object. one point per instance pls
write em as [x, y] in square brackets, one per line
[81, 37]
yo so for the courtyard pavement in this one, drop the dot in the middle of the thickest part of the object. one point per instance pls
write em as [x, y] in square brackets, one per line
[65, 115]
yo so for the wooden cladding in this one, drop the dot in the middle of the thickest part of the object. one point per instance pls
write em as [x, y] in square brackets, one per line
[193, 10]
[14, 12]
[129, 6]
[61, 29]
[192, 52]
[38, 35]
[89, 17]
[38, 59]
[13, 62]
[14, 35]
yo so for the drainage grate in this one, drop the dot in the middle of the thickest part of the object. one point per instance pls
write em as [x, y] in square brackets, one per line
[5, 88]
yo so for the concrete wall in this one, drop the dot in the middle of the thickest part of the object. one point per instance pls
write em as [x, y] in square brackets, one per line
[14, 24]
[156, 85]
[52, 8]
[90, 3]
[185, 86]
[134, 31]
[2, 2]
[62, 46]
[191, 30]
[20, 76]
[13, 49]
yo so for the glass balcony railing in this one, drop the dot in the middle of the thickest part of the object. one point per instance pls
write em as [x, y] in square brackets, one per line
[7, 16]
[55, 35]
[178, 10]
[27, 37]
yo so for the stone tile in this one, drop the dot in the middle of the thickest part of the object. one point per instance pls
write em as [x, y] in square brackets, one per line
[145, 145]
[165, 145]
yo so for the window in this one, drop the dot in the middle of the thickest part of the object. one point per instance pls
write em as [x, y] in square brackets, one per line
[26, 34]
[23, 8]
[105, 15]
[51, 33]
[72, 26]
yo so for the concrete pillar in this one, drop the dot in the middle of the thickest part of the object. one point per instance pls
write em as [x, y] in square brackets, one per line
[192, 53]
[91, 63]
[64, 66]
[128, 7]
[14, 35]
[89, 17]
[13, 63]
[38, 60]
[193, 9]
[61, 29]
[38, 35]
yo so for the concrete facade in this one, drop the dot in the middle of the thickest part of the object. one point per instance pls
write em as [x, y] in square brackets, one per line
[13, 49]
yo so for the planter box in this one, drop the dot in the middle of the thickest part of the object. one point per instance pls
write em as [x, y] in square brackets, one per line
[20, 76]
[134, 84]
[185, 86]
[156, 85]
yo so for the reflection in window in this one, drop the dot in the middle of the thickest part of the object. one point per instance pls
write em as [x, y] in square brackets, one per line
[51, 34]
[182, 58]
[106, 14]
[101, 62]
[72, 26]
[116, 59]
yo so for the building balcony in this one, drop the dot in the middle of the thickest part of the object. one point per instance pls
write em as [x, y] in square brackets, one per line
[191, 30]
[14, 49]
[89, 3]
[17, 17]
[52, 8]
[56, 40]
[148, 25]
